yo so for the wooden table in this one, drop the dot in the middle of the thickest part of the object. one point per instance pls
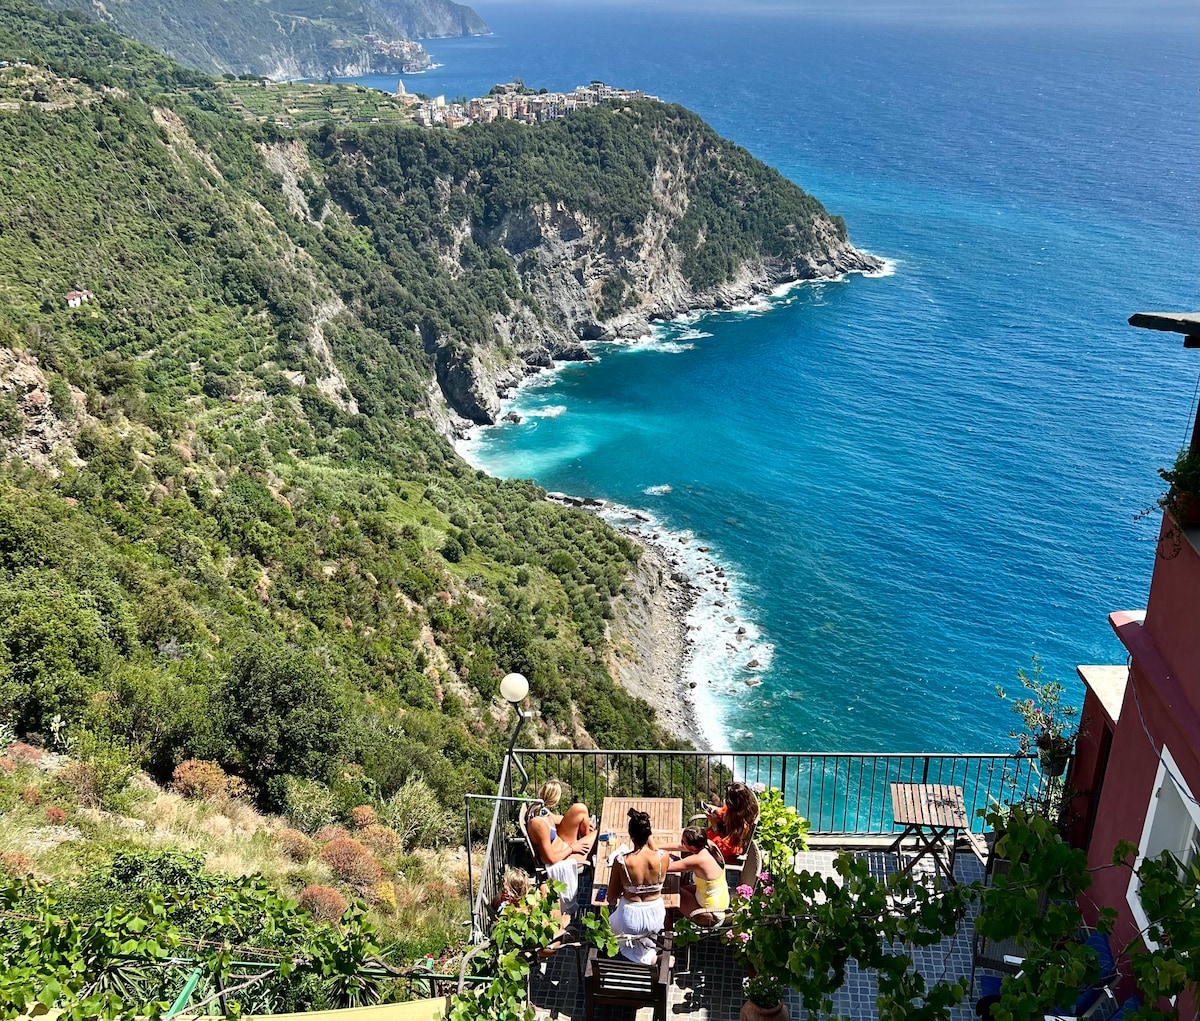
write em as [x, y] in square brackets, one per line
[666, 824]
[929, 812]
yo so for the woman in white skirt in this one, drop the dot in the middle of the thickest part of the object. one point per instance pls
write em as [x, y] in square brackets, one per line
[561, 842]
[635, 888]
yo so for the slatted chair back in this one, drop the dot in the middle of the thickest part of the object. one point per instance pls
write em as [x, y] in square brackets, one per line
[752, 863]
[621, 982]
[539, 870]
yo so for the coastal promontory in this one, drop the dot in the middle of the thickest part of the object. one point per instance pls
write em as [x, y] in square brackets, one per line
[286, 39]
[242, 567]
[582, 228]
[232, 527]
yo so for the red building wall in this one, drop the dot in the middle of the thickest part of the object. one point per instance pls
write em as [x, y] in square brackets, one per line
[1161, 707]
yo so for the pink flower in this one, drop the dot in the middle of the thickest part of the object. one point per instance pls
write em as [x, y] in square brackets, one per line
[768, 890]
[764, 877]
[758, 788]
[744, 937]
[744, 890]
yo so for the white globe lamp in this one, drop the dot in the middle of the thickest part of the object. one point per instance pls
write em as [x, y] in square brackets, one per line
[514, 688]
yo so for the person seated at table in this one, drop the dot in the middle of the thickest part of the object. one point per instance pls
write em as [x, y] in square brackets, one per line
[515, 889]
[731, 825]
[635, 888]
[706, 900]
[561, 842]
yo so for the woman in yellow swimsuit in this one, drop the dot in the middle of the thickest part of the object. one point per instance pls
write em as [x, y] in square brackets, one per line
[701, 858]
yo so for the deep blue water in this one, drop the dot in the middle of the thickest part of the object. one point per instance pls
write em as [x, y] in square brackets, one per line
[914, 481]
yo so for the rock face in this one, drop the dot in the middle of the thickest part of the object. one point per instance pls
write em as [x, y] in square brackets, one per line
[285, 41]
[40, 428]
[433, 19]
[564, 260]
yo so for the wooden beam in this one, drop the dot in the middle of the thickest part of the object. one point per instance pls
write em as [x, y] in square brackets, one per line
[1187, 323]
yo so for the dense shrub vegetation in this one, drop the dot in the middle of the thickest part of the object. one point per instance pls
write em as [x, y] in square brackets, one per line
[235, 569]
[235, 552]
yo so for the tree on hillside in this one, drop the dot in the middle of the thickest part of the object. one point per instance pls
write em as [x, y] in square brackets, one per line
[285, 713]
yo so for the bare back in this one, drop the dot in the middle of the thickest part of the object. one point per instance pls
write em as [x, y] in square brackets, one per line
[638, 876]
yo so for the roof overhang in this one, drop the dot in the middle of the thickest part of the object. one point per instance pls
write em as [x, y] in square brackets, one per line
[1187, 323]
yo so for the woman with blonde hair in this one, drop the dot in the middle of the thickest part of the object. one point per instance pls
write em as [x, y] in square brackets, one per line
[515, 888]
[560, 842]
[731, 825]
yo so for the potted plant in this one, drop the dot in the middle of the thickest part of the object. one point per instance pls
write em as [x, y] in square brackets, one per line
[764, 929]
[1049, 724]
[1182, 498]
[764, 1000]
[799, 930]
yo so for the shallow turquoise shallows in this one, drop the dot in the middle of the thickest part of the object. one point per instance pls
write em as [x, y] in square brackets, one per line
[916, 481]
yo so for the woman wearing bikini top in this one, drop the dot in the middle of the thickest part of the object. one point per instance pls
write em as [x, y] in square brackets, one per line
[635, 887]
[560, 841]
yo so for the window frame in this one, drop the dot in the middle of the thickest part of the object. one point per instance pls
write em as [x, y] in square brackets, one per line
[1167, 776]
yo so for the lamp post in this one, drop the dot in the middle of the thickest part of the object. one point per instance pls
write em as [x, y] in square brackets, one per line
[514, 688]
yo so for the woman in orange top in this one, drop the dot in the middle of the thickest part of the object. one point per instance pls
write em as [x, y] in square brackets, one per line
[731, 825]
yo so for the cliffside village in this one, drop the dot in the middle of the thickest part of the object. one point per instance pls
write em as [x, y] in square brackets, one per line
[513, 101]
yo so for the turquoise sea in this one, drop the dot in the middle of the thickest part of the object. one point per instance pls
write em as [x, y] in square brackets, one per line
[911, 482]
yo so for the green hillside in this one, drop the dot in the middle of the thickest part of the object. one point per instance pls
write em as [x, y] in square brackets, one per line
[242, 570]
[225, 476]
[199, 502]
[279, 38]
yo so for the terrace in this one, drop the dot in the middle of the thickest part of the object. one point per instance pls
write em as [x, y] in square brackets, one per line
[845, 797]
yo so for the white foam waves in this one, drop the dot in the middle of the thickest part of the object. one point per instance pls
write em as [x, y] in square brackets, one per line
[658, 342]
[727, 656]
[552, 411]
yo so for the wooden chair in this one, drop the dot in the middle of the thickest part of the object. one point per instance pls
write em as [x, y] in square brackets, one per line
[617, 981]
[712, 923]
[1004, 955]
[539, 870]
[752, 862]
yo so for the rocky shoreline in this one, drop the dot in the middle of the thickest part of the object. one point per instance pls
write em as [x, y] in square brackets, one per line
[650, 644]
[563, 264]
[650, 640]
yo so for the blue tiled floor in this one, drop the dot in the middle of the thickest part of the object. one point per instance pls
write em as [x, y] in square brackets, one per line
[710, 989]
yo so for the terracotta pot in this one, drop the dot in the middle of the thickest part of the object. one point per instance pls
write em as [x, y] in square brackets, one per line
[753, 1012]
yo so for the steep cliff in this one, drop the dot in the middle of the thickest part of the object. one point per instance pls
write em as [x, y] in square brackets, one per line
[286, 39]
[220, 481]
[578, 230]
[433, 19]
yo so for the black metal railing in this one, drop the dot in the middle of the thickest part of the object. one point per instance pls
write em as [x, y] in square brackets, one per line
[838, 792]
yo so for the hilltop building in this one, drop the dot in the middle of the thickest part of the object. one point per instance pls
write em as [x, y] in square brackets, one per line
[514, 101]
[76, 298]
[1137, 758]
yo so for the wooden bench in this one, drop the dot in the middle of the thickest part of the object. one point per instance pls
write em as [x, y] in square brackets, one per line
[616, 980]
